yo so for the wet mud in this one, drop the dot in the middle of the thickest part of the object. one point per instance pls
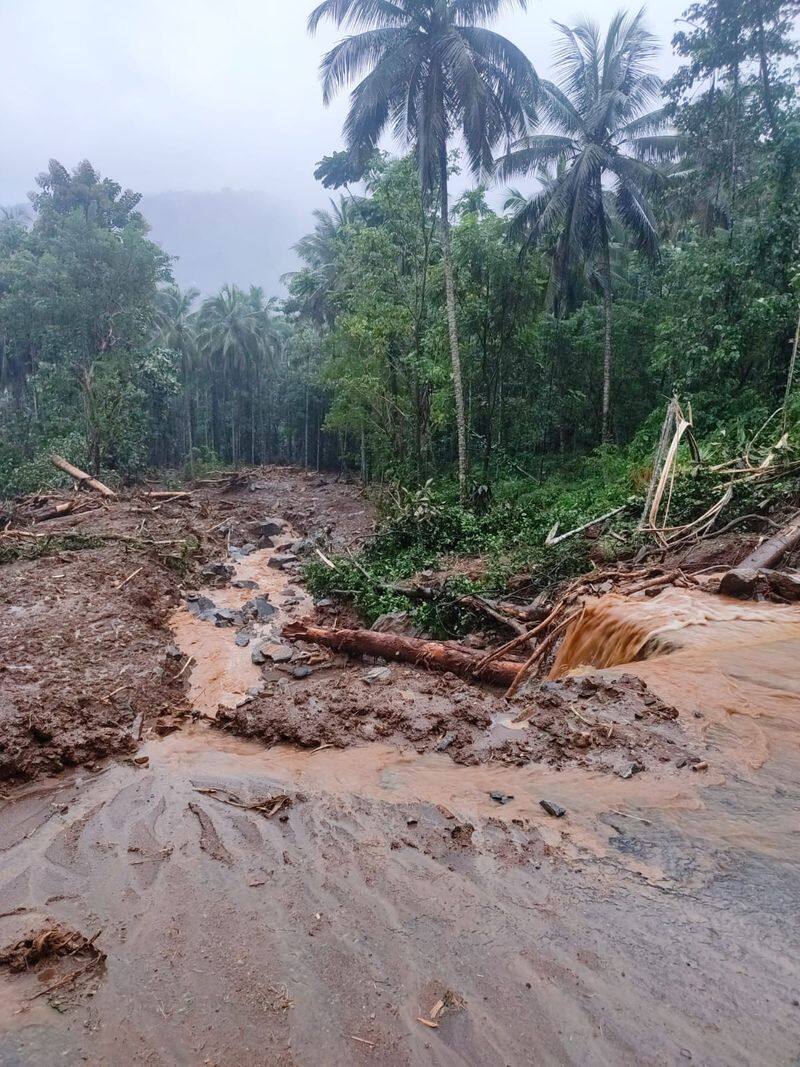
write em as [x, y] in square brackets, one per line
[295, 868]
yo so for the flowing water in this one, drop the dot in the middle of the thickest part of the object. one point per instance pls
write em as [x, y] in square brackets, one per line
[235, 937]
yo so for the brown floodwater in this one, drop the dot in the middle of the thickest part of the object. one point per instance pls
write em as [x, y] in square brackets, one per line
[221, 671]
[652, 924]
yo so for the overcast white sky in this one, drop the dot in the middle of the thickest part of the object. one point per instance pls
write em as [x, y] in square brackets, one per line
[195, 94]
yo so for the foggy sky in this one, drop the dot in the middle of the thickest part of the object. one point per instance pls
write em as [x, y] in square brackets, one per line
[198, 95]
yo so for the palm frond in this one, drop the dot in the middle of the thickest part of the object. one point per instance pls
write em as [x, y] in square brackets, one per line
[530, 154]
[351, 56]
[357, 12]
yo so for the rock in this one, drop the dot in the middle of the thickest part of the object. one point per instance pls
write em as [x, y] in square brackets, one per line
[501, 798]
[242, 640]
[266, 542]
[269, 527]
[217, 570]
[553, 809]
[377, 675]
[225, 617]
[304, 547]
[257, 657]
[173, 652]
[281, 560]
[301, 672]
[278, 653]
[244, 583]
[141, 761]
[740, 582]
[240, 551]
[198, 604]
[323, 602]
[445, 743]
[259, 608]
[628, 770]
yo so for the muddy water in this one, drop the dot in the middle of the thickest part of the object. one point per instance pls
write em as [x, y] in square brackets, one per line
[221, 671]
[730, 668]
[323, 935]
[613, 630]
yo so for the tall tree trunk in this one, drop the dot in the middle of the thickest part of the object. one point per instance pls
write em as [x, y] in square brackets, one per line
[187, 415]
[608, 355]
[763, 65]
[452, 326]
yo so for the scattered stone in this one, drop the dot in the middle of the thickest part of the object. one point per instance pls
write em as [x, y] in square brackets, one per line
[269, 527]
[259, 608]
[501, 798]
[553, 809]
[242, 640]
[278, 653]
[377, 675]
[301, 672]
[199, 605]
[173, 652]
[323, 602]
[224, 617]
[629, 769]
[411, 822]
[217, 570]
[304, 547]
[445, 743]
[281, 560]
[257, 657]
[141, 761]
[244, 583]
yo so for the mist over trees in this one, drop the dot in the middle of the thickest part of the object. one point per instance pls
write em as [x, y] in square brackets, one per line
[649, 244]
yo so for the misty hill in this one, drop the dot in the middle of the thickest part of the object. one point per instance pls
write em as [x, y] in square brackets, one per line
[227, 236]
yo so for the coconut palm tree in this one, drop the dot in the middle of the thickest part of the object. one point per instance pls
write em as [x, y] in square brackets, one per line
[312, 286]
[607, 143]
[430, 70]
[231, 339]
[176, 325]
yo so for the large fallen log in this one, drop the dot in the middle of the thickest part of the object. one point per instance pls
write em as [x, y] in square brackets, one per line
[434, 655]
[81, 477]
[772, 550]
[55, 511]
[742, 581]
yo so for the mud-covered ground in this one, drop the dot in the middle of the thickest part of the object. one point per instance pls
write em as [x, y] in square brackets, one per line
[85, 645]
[357, 862]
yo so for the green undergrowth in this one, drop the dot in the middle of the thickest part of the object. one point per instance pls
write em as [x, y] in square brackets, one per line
[427, 529]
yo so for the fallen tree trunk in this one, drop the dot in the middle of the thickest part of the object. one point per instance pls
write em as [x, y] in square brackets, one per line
[431, 654]
[742, 581]
[53, 512]
[774, 548]
[81, 477]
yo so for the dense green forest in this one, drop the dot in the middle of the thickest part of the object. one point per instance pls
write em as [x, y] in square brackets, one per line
[648, 246]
